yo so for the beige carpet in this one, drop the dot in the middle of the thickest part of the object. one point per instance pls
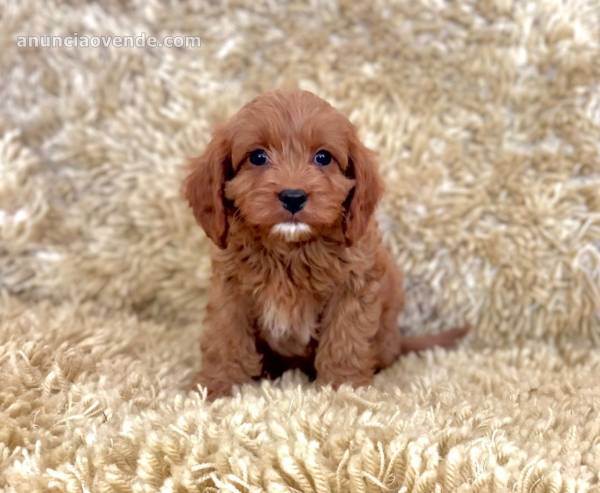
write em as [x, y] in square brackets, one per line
[486, 116]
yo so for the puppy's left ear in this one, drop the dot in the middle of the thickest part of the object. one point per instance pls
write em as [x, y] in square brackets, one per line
[368, 189]
[203, 187]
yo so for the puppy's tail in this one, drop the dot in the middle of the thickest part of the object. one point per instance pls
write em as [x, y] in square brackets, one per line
[445, 339]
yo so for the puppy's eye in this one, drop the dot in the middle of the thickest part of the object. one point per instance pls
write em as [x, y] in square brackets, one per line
[258, 157]
[322, 158]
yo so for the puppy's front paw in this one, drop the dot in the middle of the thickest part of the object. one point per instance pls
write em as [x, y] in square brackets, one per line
[214, 388]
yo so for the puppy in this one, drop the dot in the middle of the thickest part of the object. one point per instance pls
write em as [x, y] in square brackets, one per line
[300, 278]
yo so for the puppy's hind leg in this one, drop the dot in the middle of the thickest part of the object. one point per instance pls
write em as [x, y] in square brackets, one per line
[389, 340]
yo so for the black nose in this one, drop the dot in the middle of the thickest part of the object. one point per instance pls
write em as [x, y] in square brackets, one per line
[292, 199]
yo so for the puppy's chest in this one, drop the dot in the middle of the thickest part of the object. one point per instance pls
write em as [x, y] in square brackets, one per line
[289, 295]
[287, 316]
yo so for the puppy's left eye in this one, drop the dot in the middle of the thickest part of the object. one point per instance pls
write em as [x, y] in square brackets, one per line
[322, 157]
[258, 157]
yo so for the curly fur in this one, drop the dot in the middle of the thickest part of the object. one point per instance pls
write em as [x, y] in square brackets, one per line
[316, 289]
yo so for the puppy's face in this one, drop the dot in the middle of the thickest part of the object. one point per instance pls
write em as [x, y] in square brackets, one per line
[290, 164]
[287, 165]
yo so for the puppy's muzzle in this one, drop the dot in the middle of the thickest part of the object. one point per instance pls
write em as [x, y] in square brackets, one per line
[293, 200]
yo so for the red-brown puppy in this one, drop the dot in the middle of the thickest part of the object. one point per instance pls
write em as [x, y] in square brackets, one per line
[300, 278]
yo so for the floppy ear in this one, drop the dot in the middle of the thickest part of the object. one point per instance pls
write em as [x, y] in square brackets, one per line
[368, 189]
[203, 187]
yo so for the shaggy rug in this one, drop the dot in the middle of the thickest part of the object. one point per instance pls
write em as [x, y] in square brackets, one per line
[486, 118]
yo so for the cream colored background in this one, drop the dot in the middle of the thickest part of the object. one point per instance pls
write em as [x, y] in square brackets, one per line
[486, 116]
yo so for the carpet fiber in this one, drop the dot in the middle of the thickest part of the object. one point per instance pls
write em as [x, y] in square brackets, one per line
[486, 118]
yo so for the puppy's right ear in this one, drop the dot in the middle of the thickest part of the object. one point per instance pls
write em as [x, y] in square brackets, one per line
[204, 187]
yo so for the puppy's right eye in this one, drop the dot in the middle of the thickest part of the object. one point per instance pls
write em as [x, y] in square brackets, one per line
[258, 157]
[322, 157]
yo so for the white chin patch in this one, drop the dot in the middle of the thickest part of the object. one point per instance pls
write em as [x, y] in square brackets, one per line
[291, 231]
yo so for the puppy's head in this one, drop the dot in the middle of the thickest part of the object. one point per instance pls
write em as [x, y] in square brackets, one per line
[288, 165]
